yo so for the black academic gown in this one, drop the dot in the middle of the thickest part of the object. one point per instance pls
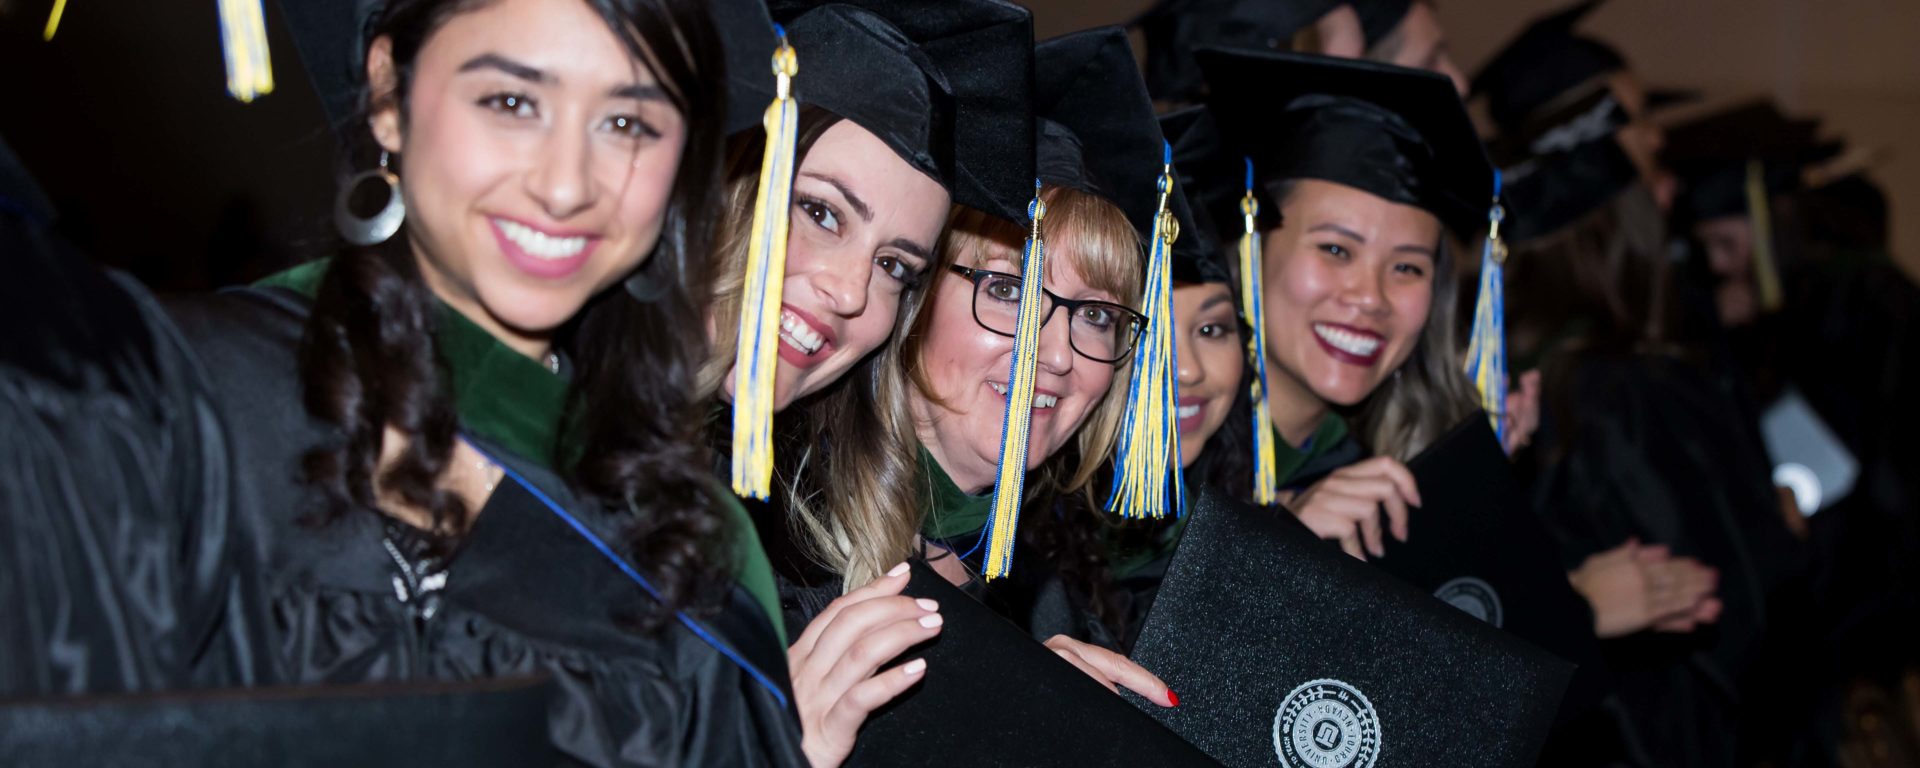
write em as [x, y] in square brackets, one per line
[525, 593]
[118, 547]
[1651, 448]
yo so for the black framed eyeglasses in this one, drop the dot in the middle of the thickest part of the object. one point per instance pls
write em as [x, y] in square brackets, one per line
[1101, 331]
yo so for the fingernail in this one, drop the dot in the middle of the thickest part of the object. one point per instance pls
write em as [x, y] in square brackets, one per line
[1173, 697]
[914, 667]
[898, 570]
[931, 620]
[926, 604]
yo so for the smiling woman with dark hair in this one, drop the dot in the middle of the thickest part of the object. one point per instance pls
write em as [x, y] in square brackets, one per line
[468, 437]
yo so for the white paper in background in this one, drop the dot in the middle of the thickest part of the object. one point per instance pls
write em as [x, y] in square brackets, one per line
[1807, 457]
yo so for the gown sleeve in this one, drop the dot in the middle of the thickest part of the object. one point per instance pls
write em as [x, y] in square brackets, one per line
[119, 541]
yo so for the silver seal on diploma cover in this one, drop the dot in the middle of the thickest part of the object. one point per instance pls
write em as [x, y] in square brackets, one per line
[1474, 596]
[1326, 724]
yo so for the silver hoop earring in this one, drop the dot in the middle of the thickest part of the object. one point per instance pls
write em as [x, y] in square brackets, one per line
[377, 228]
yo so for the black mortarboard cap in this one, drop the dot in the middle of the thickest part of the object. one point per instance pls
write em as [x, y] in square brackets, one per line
[1205, 173]
[1098, 132]
[947, 83]
[19, 193]
[1174, 28]
[747, 34]
[1379, 18]
[1570, 168]
[1711, 154]
[1543, 65]
[1475, 544]
[1397, 133]
[331, 38]
[1286, 651]
[486, 723]
[996, 697]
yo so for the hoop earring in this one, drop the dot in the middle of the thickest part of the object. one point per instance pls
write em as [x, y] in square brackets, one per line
[377, 228]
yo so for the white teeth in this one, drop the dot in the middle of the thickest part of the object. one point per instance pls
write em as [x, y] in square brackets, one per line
[1351, 343]
[1040, 400]
[798, 334]
[1186, 411]
[541, 245]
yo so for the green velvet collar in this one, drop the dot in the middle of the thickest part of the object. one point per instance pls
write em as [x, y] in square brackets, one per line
[950, 512]
[507, 398]
[1288, 459]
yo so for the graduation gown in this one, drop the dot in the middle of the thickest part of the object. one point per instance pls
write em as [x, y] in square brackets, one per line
[1657, 452]
[118, 521]
[357, 600]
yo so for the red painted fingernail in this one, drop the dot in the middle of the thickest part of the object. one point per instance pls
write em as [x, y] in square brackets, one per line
[1173, 697]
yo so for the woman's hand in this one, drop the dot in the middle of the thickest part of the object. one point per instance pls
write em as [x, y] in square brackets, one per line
[1113, 670]
[1523, 412]
[1346, 505]
[835, 665]
[1634, 587]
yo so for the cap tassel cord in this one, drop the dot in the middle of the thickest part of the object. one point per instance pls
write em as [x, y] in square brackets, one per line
[1487, 350]
[243, 38]
[1008, 487]
[756, 356]
[1149, 451]
[1766, 274]
[1266, 472]
[53, 19]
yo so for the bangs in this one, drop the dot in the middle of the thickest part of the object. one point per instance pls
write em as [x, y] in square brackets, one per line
[1092, 235]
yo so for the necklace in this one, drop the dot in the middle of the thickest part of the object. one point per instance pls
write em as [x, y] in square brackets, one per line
[552, 361]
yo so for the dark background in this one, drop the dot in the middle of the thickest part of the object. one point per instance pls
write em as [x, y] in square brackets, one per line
[124, 116]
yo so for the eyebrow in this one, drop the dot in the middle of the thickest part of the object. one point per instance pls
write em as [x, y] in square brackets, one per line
[859, 206]
[1423, 250]
[494, 61]
[1338, 230]
[1215, 301]
[914, 249]
[504, 64]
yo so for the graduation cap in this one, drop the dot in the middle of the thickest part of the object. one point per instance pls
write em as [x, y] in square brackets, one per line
[1287, 651]
[1476, 545]
[1734, 161]
[943, 84]
[1099, 135]
[1054, 715]
[1399, 134]
[1572, 167]
[331, 39]
[1174, 28]
[1547, 63]
[500, 722]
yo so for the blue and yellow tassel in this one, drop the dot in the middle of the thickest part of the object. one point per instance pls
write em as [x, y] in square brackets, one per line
[1147, 467]
[1266, 472]
[757, 356]
[1009, 486]
[243, 40]
[1487, 352]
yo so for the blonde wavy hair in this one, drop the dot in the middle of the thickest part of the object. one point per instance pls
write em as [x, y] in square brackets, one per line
[844, 456]
[1097, 241]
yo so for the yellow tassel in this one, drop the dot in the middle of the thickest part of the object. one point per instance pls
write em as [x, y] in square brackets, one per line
[1487, 351]
[1008, 487]
[1150, 433]
[1766, 274]
[243, 38]
[756, 358]
[1266, 472]
[53, 19]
